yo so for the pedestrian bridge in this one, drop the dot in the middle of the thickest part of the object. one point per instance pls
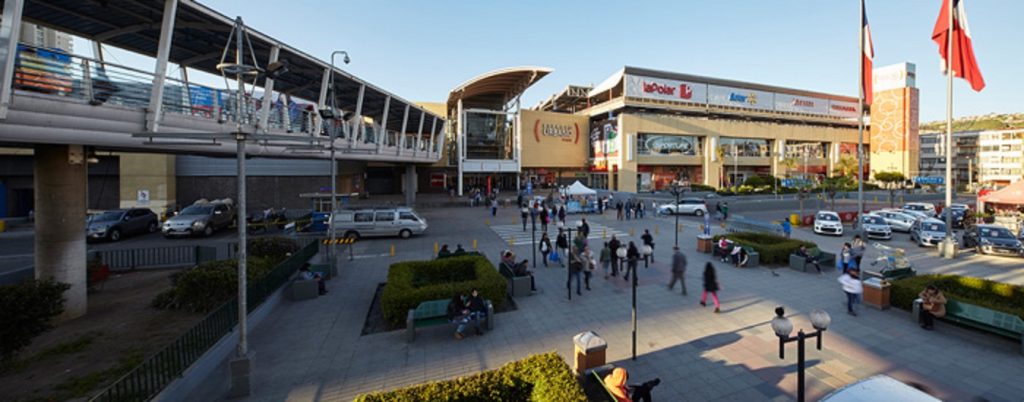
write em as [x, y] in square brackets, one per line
[48, 96]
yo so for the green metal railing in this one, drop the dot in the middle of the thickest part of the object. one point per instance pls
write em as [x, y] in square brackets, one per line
[149, 378]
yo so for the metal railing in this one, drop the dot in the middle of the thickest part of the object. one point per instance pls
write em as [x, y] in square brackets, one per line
[155, 257]
[149, 378]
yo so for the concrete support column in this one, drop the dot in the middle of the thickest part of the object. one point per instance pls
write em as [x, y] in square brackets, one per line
[409, 185]
[60, 191]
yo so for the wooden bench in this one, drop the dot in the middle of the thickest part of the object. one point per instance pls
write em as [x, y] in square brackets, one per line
[998, 322]
[825, 259]
[435, 312]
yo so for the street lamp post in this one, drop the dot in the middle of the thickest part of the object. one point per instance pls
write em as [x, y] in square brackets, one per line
[783, 327]
[533, 234]
[328, 115]
[677, 190]
[568, 271]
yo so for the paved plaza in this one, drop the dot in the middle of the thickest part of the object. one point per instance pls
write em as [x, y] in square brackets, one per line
[313, 350]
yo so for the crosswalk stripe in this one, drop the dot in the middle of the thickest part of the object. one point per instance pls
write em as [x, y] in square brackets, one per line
[517, 236]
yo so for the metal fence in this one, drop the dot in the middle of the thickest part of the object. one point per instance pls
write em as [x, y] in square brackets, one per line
[155, 257]
[149, 378]
[302, 241]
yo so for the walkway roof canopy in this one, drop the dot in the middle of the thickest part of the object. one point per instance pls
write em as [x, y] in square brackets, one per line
[493, 90]
[200, 35]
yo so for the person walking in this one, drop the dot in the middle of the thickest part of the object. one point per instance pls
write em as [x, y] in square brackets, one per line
[857, 249]
[562, 243]
[613, 250]
[629, 209]
[524, 213]
[561, 213]
[712, 286]
[606, 259]
[494, 207]
[587, 258]
[545, 248]
[632, 256]
[533, 214]
[845, 261]
[618, 210]
[544, 219]
[584, 228]
[852, 287]
[787, 228]
[640, 209]
[575, 269]
[725, 211]
[648, 241]
[678, 269]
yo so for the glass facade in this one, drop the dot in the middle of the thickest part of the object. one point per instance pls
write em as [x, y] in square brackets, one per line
[489, 136]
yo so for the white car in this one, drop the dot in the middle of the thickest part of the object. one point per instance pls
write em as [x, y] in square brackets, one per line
[828, 222]
[875, 227]
[689, 206]
[926, 208]
[897, 220]
[916, 214]
[962, 207]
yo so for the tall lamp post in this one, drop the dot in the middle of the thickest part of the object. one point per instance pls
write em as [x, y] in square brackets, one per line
[533, 234]
[783, 327]
[568, 271]
[677, 190]
[327, 114]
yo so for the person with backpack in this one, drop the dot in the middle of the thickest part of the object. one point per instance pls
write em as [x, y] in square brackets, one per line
[562, 242]
[613, 250]
[545, 248]
[632, 256]
[648, 241]
[711, 286]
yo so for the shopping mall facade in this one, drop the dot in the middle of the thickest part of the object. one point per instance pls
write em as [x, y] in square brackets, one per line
[641, 129]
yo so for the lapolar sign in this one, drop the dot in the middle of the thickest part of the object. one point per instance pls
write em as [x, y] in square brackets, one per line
[800, 104]
[664, 89]
[740, 97]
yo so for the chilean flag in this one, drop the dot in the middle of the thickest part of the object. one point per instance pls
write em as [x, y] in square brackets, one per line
[962, 60]
[868, 56]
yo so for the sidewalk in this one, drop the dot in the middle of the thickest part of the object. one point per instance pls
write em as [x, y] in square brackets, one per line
[313, 351]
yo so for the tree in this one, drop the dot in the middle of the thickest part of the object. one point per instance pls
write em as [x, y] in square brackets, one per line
[832, 185]
[891, 181]
[846, 166]
[789, 163]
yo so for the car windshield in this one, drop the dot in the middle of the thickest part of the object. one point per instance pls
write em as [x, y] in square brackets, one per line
[996, 233]
[197, 210]
[107, 216]
[874, 220]
[827, 217]
[934, 227]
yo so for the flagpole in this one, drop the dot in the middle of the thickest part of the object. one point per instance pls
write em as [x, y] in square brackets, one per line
[949, 248]
[860, 127]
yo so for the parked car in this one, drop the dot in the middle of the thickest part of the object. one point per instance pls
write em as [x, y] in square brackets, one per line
[828, 222]
[897, 220]
[993, 239]
[917, 214]
[928, 232]
[960, 206]
[875, 227]
[114, 224]
[368, 222]
[202, 218]
[958, 216]
[924, 207]
[689, 206]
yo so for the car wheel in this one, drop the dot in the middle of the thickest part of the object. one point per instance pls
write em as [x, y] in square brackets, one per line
[405, 233]
[208, 231]
[152, 227]
[352, 234]
[114, 235]
[699, 212]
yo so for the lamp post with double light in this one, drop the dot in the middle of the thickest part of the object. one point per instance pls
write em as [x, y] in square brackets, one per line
[783, 327]
[677, 189]
[568, 255]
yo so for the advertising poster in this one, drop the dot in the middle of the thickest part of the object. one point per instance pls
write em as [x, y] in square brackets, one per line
[739, 97]
[665, 89]
[666, 145]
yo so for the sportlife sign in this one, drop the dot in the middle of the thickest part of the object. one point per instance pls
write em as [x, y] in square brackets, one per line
[665, 89]
[740, 97]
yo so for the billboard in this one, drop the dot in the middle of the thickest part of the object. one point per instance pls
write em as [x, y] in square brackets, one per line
[665, 89]
[552, 139]
[842, 109]
[604, 138]
[667, 145]
[800, 104]
[740, 97]
[901, 75]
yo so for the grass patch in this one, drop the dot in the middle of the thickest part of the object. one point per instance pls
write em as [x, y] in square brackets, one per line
[61, 349]
[77, 387]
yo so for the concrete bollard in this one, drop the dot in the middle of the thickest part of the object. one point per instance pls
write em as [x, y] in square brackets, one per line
[436, 249]
[632, 232]
[392, 250]
[656, 230]
[474, 244]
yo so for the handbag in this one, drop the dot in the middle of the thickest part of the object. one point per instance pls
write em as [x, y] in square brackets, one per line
[553, 257]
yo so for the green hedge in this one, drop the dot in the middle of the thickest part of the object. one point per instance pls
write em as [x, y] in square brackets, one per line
[773, 249]
[538, 378]
[25, 312]
[413, 282]
[982, 292]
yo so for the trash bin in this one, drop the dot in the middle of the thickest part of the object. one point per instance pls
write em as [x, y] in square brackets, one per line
[794, 219]
[590, 351]
[704, 244]
[876, 293]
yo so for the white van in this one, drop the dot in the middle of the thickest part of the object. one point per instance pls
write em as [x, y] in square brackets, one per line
[375, 222]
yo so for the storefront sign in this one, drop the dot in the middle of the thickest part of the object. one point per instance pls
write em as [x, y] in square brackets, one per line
[438, 180]
[552, 140]
[739, 97]
[842, 109]
[902, 75]
[666, 145]
[664, 89]
[562, 131]
[800, 104]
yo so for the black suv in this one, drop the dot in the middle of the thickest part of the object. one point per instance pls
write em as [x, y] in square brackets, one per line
[993, 239]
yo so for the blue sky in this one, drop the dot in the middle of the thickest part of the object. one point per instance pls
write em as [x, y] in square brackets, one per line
[422, 49]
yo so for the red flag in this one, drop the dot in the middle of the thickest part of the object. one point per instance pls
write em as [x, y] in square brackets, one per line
[868, 56]
[962, 61]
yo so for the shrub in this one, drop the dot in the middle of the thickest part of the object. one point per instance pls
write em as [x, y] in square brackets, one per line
[982, 292]
[700, 187]
[540, 378]
[25, 311]
[413, 282]
[773, 249]
[275, 247]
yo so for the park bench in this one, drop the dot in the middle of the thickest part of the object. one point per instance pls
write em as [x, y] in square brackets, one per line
[892, 274]
[986, 319]
[465, 254]
[517, 286]
[825, 259]
[598, 373]
[304, 289]
[435, 312]
[753, 257]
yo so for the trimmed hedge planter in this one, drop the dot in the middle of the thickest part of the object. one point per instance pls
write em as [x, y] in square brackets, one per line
[982, 292]
[774, 250]
[413, 282]
[538, 378]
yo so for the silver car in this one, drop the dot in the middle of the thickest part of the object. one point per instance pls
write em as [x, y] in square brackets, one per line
[371, 222]
[928, 232]
[201, 219]
[875, 227]
[689, 206]
[897, 220]
[113, 225]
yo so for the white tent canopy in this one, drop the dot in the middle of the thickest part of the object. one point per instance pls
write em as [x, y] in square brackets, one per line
[578, 188]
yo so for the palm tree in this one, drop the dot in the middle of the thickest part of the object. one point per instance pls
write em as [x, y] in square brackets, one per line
[789, 163]
[846, 166]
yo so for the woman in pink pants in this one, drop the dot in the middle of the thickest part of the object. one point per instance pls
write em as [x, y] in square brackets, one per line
[710, 286]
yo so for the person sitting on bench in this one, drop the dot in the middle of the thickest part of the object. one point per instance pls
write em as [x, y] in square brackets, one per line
[616, 382]
[459, 313]
[808, 258]
[459, 250]
[739, 256]
[508, 263]
[307, 275]
[444, 252]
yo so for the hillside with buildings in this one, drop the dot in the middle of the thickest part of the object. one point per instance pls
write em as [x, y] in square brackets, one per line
[992, 121]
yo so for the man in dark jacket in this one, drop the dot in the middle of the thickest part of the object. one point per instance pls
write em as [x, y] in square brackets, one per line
[614, 245]
[477, 309]
[678, 269]
[458, 313]
[562, 243]
[648, 241]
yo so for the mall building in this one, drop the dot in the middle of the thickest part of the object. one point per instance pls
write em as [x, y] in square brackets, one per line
[641, 129]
